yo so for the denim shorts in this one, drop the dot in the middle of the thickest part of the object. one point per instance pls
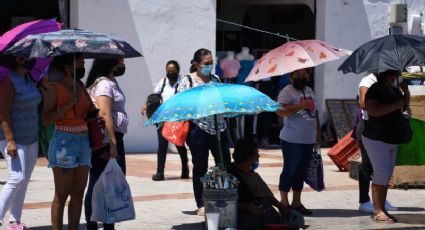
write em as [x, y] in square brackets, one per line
[69, 150]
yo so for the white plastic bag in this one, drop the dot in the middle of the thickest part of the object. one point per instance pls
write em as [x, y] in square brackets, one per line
[112, 201]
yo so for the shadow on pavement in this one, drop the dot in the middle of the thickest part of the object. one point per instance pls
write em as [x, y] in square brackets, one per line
[410, 209]
[414, 219]
[200, 225]
[190, 213]
[65, 227]
[403, 228]
[337, 213]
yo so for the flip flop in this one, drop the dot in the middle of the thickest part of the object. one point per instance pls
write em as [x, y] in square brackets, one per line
[382, 218]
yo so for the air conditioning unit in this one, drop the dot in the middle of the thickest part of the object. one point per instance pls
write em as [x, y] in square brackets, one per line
[398, 13]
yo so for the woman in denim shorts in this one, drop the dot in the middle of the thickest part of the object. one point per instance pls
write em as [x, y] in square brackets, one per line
[69, 150]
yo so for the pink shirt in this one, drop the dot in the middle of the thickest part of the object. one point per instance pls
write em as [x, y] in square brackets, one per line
[230, 67]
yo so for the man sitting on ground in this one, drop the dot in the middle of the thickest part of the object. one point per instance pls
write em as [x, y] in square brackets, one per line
[256, 202]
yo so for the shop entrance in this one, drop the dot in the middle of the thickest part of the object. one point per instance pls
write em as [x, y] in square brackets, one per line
[15, 12]
[295, 18]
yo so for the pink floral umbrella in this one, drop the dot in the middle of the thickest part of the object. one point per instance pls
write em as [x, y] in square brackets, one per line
[23, 30]
[293, 56]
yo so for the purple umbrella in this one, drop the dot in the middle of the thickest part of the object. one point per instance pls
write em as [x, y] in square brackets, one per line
[23, 30]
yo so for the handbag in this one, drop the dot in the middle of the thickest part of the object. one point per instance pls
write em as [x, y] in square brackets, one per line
[175, 132]
[95, 125]
[313, 175]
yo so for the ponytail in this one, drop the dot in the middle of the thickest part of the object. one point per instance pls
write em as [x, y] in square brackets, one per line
[197, 57]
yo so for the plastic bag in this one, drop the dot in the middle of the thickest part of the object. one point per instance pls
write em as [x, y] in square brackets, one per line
[112, 201]
[175, 132]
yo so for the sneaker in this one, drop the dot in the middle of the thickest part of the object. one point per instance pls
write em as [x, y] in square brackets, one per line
[389, 206]
[15, 226]
[201, 211]
[366, 207]
[158, 177]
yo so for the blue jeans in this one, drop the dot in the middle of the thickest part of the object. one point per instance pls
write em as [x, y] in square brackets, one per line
[200, 143]
[69, 150]
[295, 159]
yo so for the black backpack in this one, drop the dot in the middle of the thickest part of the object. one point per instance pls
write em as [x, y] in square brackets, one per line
[154, 100]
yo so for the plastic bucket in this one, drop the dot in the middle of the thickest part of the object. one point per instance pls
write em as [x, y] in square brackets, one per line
[223, 201]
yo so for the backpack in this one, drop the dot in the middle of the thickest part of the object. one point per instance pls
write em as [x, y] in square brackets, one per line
[154, 100]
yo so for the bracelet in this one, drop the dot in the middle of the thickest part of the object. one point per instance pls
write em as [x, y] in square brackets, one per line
[9, 140]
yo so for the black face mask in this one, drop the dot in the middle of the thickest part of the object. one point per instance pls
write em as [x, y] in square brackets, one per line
[79, 73]
[119, 71]
[172, 76]
[299, 83]
[29, 64]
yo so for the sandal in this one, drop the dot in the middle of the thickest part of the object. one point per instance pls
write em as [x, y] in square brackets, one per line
[392, 217]
[382, 218]
[303, 210]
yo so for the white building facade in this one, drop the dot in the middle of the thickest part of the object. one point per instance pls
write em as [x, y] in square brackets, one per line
[174, 29]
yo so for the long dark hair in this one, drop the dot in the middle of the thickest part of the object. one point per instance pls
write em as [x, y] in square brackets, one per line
[383, 75]
[175, 63]
[101, 67]
[244, 149]
[58, 63]
[9, 62]
[197, 57]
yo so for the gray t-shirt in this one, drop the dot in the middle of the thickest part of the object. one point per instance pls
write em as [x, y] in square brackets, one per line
[300, 127]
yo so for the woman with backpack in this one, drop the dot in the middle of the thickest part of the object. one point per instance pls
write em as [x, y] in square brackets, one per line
[201, 138]
[165, 89]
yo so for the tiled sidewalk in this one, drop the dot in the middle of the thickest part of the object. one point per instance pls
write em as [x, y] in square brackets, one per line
[170, 205]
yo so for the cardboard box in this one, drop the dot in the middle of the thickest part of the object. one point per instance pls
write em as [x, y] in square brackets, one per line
[417, 106]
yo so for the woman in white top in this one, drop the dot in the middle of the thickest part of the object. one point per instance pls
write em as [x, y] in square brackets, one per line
[167, 88]
[110, 100]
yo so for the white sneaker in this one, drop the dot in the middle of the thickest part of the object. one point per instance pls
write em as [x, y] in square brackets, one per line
[389, 206]
[366, 207]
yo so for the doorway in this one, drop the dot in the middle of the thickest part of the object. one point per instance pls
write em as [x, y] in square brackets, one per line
[295, 18]
[16, 12]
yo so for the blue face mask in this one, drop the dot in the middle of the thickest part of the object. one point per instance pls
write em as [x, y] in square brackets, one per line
[255, 165]
[207, 69]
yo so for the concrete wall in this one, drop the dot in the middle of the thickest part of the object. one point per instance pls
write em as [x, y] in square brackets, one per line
[161, 30]
[348, 24]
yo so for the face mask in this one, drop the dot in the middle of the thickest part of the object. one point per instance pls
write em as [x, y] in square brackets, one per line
[79, 73]
[255, 165]
[172, 76]
[29, 64]
[300, 83]
[119, 71]
[206, 70]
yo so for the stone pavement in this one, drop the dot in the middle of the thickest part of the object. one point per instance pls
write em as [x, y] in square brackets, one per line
[170, 205]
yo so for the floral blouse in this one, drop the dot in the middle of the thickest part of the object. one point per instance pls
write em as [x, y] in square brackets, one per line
[207, 124]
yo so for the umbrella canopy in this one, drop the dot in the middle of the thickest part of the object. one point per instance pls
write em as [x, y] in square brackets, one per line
[293, 56]
[25, 29]
[92, 45]
[391, 52]
[19, 32]
[213, 99]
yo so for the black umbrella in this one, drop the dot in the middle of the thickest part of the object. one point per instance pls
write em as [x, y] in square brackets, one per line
[392, 52]
[92, 45]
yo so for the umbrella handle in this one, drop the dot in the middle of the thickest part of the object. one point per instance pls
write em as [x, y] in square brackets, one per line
[220, 150]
